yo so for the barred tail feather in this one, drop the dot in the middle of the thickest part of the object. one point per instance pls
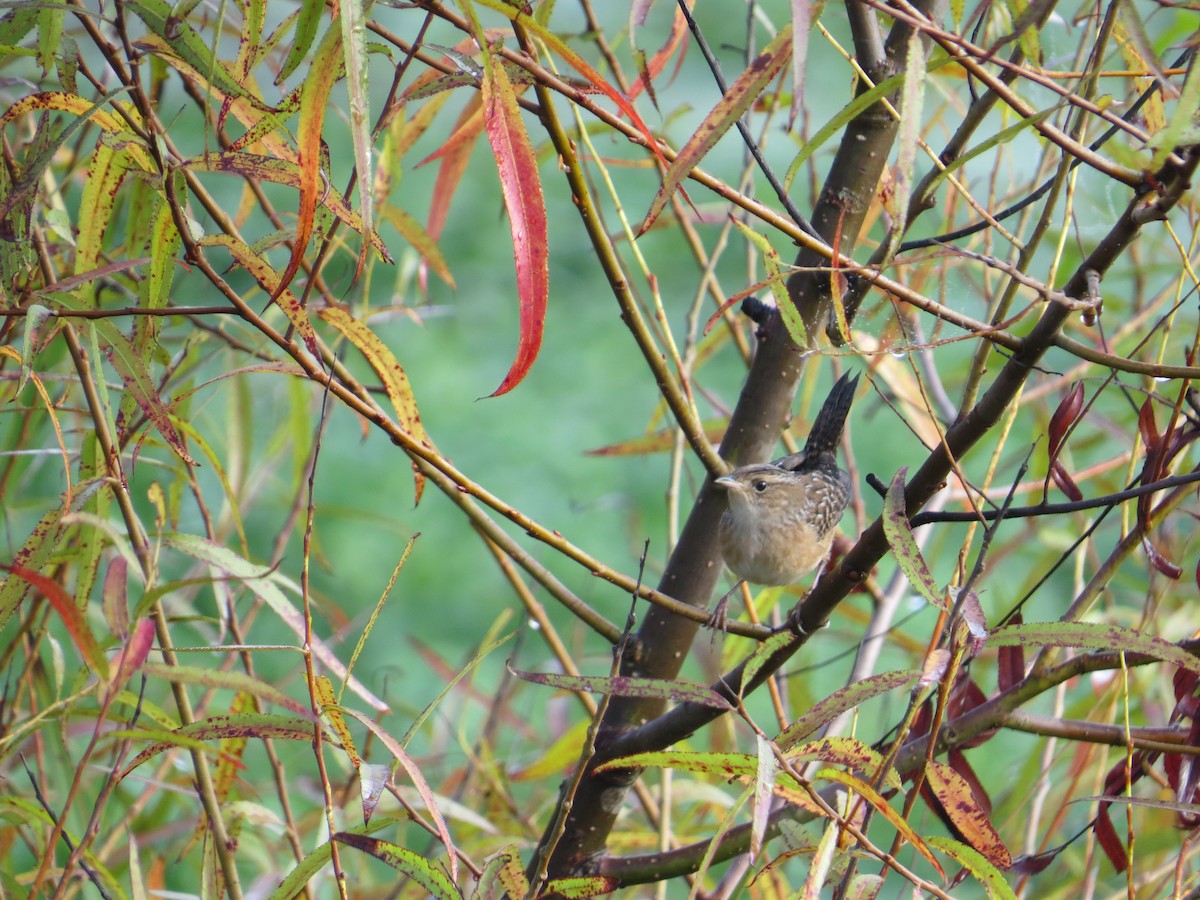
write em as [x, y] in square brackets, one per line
[826, 432]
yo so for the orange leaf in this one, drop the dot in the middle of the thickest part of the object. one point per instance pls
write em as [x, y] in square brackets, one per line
[454, 155]
[313, 98]
[268, 279]
[390, 372]
[526, 213]
[963, 808]
[658, 62]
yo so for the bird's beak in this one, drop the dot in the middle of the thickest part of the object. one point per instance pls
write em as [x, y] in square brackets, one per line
[728, 482]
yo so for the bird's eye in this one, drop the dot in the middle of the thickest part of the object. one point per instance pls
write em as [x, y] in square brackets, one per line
[760, 486]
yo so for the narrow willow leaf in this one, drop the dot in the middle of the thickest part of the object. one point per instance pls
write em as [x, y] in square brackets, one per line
[845, 114]
[177, 34]
[285, 171]
[522, 189]
[270, 281]
[131, 366]
[503, 873]
[391, 374]
[327, 704]
[1098, 637]
[740, 95]
[582, 886]
[848, 752]
[314, 97]
[985, 873]
[623, 686]
[959, 803]
[305, 870]
[841, 701]
[814, 880]
[104, 177]
[194, 735]
[308, 22]
[354, 60]
[879, 803]
[72, 616]
[232, 681]
[900, 538]
[421, 240]
[408, 862]
[265, 585]
[764, 790]
[559, 47]
[792, 320]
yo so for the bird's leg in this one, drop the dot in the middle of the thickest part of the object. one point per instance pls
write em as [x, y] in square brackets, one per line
[719, 619]
[793, 617]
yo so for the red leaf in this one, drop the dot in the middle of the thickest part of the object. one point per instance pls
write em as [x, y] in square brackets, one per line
[71, 615]
[1064, 417]
[1065, 482]
[1160, 562]
[1146, 426]
[1110, 842]
[1031, 865]
[956, 800]
[526, 213]
[1061, 422]
[454, 155]
[1010, 661]
[135, 651]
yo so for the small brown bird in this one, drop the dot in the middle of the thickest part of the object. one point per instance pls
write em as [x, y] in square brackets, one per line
[781, 517]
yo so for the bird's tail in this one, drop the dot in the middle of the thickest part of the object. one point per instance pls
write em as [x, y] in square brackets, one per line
[826, 432]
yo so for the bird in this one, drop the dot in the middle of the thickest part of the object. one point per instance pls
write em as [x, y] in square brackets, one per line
[781, 515]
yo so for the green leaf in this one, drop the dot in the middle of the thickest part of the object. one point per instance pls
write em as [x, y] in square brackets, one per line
[792, 320]
[1099, 637]
[623, 686]
[264, 583]
[408, 862]
[900, 538]
[976, 863]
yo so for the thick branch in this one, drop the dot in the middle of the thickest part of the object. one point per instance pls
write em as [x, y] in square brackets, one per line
[764, 407]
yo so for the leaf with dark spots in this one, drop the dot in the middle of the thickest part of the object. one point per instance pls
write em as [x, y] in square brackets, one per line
[421, 869]
[840, 701]
[1094, 636]
[729, 109]
[966, 812]
[193, 735]
[651, 688]
[900, 538]
[131, 365]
